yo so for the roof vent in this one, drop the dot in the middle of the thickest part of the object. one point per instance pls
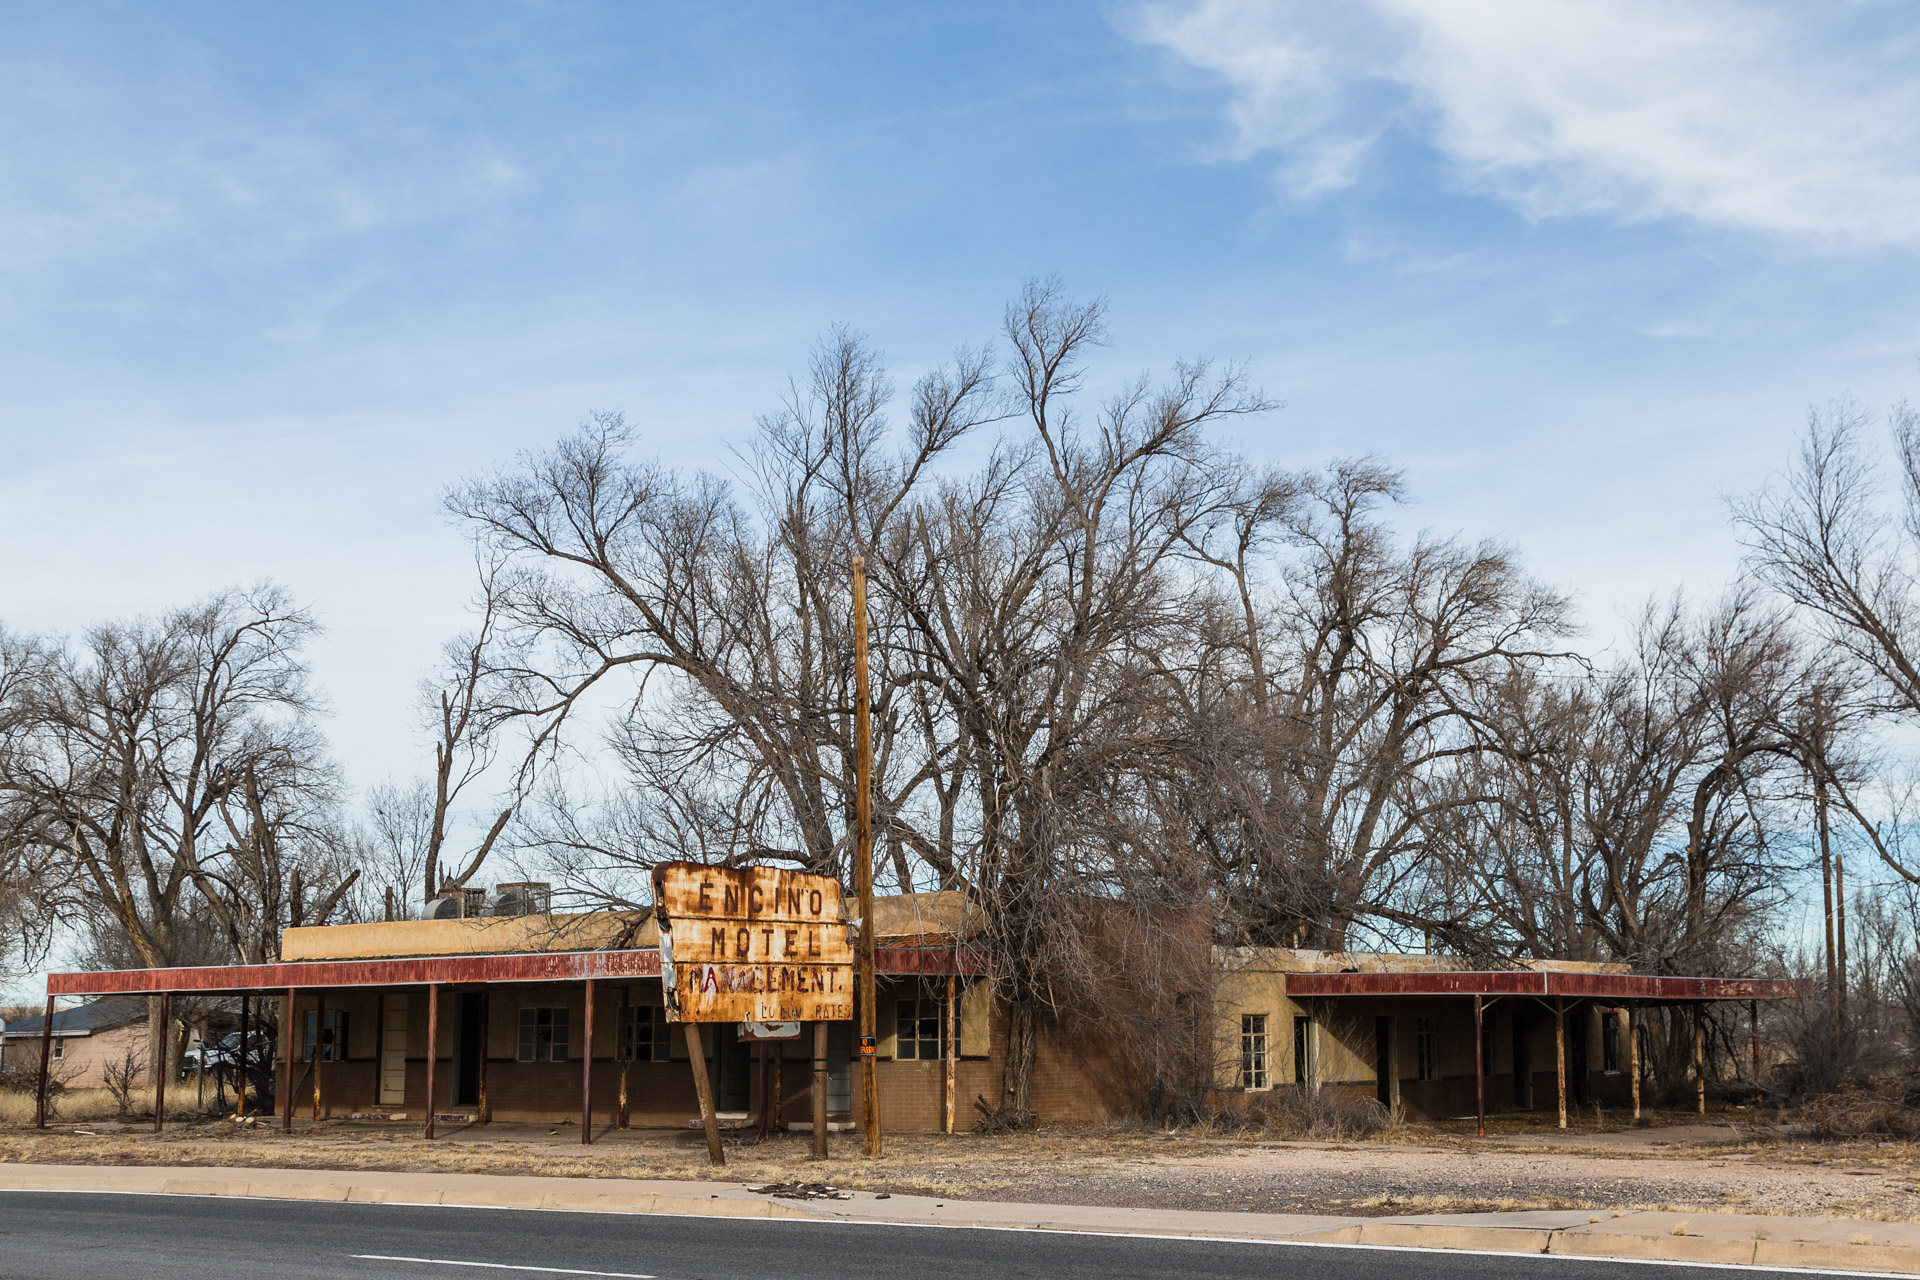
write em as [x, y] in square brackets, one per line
[448, 906]
[525, 898]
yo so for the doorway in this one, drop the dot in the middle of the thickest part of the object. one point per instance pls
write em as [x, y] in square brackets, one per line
[729, 1067]
[393, 1051]
[469, 1046]
[1577, 1056]
[1383, 1060]
[1522, 1062]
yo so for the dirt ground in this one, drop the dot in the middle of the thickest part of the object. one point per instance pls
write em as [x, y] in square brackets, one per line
[1735, 1163]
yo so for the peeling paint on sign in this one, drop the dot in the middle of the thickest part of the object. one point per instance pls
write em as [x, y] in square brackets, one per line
[752, 944]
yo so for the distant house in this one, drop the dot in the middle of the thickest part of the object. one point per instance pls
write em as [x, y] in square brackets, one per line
[86, 1040]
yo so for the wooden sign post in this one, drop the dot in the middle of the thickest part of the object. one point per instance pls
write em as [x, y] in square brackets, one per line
[749, 944]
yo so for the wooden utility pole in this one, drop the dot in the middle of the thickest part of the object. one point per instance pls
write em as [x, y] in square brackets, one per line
[1819, 763]
[1840, 930]
[863, 859]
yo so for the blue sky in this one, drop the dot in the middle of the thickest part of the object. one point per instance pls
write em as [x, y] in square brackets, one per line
[272, 276]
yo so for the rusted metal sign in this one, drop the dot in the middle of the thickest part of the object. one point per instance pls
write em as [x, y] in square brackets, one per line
[752, 944]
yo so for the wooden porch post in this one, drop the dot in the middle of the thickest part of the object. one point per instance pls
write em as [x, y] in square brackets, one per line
[586, 1070]
[1699, 1061]
[1479, 1070]
[1560, 1055]
[286, 1060]
[1633, 1054]
[703, 1089]
[46, 1066]
[1753, 1020]
[433, 1048]
[952, 1045]
[163, 1068]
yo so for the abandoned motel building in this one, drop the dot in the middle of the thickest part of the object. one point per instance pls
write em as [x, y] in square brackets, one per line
[554, 1018]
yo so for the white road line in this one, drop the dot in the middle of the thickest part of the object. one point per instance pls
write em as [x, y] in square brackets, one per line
[499, 1266]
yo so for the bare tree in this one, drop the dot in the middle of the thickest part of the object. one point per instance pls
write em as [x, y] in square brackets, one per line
[126, 750]
[1825, 536]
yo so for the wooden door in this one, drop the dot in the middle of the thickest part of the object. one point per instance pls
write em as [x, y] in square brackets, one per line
[393, 1051]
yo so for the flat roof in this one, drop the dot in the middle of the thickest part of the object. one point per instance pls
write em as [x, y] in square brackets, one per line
[516, 967]
[1545, 982]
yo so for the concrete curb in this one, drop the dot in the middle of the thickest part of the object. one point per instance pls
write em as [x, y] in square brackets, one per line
[1668, 1237]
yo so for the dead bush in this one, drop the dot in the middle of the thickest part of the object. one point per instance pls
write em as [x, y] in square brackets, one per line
[1306, 1113]
[1881, 1110]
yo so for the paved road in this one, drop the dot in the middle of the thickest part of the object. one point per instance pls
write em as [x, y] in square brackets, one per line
[68, 1236]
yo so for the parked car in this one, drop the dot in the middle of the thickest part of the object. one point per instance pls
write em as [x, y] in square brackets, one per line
[224, 1054]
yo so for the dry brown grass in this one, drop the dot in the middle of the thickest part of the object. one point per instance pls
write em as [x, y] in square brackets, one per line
[79, 1105]
[966, 1164]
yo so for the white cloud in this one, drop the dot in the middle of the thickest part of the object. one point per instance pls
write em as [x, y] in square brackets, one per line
[1797, 121]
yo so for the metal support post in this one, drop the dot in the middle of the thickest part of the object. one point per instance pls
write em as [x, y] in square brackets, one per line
[433, 1048]
[623, 1052]
[163, 1068]
[1479, 1069]
[484, 1109]
[246, 1032]
[766, 1104]
[1560, 1055]
[1753, 1020]
[319, 1047]
[286, 1060]
[46, 1067]
[819, 1091]
[586, 1070]
[1699, 1060]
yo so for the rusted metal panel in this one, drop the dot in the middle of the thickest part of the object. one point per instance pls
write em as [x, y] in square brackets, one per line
[930, 961]
[1523, 982]
[752, 944]
[1441, 982]
[553, 966]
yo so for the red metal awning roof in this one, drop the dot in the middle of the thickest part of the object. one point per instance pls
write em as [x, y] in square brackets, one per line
[1529, 982]
[538, 966]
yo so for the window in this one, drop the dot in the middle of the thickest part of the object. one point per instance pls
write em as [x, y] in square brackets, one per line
[59, 1048]
[330, 1036]
[1302, 1052]
[1609, 1042]
[647, 1036]
[1253, 1051]
[543, 1035]
[1427, 1045]
[921, 1025]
